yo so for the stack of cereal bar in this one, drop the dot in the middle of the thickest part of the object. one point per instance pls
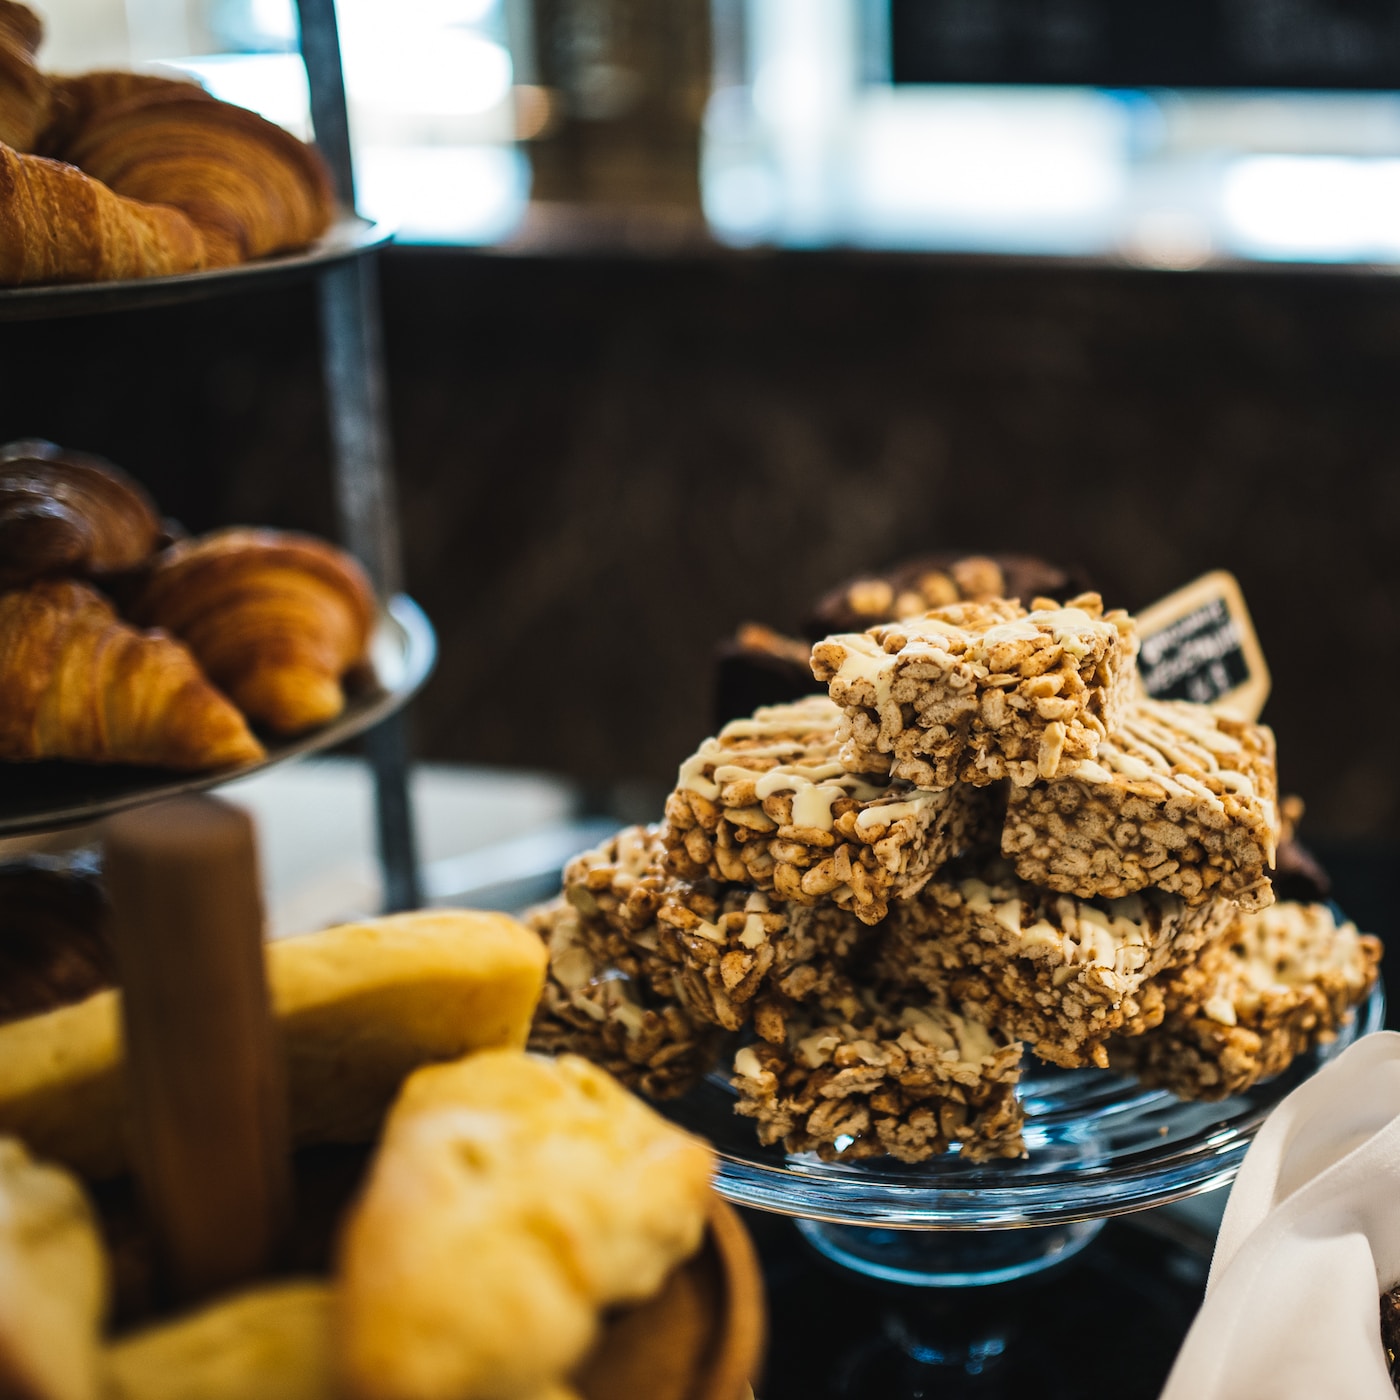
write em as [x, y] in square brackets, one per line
[984, 842]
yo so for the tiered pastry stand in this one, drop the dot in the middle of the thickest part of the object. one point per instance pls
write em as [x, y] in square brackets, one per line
[343, 266]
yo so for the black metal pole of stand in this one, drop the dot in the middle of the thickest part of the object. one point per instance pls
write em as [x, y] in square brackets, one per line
[352, 357]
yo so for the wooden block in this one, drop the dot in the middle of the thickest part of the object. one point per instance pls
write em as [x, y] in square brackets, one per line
[206, 1096]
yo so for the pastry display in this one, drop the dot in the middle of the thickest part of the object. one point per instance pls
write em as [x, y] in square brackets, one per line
[728, 953]
[275, 619]
[69, 513]
[771, 803]
[1298, 874]
[1273, 985]
[358, 1006]
[975, 692]
[875, 1073]
[59, 225]
[518, 1219]
[1181, 798]
[984, 840]
[274, 1341]
[913, 586]
[511, 1200]
[110, 176]
[25, 100]
[1060, 973]
[75, 99]
[248, 625]
[76, 682]
[761, 666]
[248, 188]
[650, 1043]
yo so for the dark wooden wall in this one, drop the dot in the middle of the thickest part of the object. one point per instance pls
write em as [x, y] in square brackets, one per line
[606, 463]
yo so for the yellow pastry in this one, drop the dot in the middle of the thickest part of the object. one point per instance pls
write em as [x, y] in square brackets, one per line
[53, 1282]
[512, 1199]
[359, 1007]
[273, 1343]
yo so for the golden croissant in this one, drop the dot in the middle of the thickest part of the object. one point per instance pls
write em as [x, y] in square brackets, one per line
[248, 186]
[25, 97]
[75, 101]
[78, 683]
[59, 225]
[275, 619]
[69, 513]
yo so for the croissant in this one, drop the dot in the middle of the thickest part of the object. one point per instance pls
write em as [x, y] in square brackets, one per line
[59, 225]
[275, 619]
[75, 101]
[24, 91]
[68, 513]
[78, 683]
[248, 186]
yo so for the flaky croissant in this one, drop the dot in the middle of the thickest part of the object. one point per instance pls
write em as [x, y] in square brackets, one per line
[78, 683]
[25, 97]
[75, 101]
[68, 513]
[276, 619]
[248, 186]
[59, 225]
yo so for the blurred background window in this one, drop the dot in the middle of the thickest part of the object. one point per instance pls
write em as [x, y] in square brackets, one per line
[1199, 131]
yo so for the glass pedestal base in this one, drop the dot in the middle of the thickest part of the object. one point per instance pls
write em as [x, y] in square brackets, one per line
[1097, 1145]
[948, 1258]
[1107, 1322]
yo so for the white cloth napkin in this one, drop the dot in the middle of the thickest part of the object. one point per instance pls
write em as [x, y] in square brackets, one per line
[1310, 1239]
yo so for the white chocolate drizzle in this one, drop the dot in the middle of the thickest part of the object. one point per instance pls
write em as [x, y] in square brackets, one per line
[1113, 937]
[1182, 750]
[792, 749]
[1280, 949]
[962, 643]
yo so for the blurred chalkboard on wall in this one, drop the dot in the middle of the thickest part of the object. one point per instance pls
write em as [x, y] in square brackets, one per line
[1172, 43]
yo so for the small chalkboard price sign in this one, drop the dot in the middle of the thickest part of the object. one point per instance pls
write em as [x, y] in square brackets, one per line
[1199, 644]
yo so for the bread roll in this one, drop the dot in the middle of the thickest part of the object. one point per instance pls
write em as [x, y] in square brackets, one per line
[512, 1199]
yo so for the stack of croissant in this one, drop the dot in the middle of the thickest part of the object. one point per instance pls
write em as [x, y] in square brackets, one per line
[119, 175]
[250, 626]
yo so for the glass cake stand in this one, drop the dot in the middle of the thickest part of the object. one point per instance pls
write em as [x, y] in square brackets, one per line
[1098, 1145]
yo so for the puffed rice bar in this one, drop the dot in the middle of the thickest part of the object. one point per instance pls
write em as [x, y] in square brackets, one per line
[1181, 798]
[976, 692]
[1057, 972]
[591, 1009]
[876, 1077]
[727, 954]
[1277, 983]
[744, 955]
[767, 803]
[618, 887]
